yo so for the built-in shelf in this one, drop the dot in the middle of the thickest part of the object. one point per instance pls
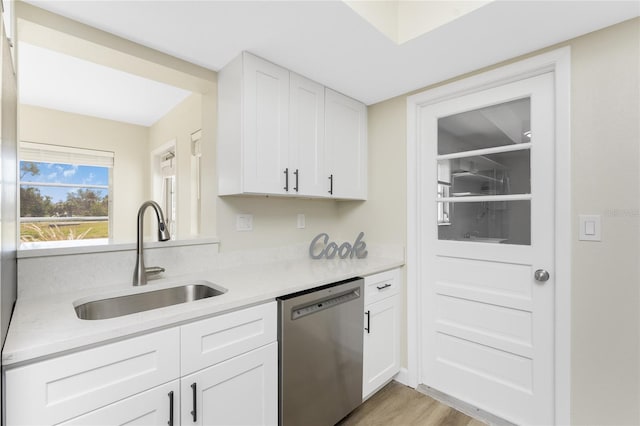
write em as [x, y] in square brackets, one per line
[467, 194]
[474, 177]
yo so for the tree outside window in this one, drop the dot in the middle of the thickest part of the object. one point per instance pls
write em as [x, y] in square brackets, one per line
[63, 203]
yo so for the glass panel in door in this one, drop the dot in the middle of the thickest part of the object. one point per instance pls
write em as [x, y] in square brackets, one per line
[504, 124]
[484, 174]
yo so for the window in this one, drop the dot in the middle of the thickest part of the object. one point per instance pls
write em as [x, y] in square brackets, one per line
[164, 182]
[168, 196]
[65, 196]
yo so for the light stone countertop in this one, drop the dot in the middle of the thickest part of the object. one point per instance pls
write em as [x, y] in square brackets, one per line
[45, 326]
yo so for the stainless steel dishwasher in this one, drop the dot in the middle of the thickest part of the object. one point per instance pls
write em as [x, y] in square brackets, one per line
[320, 353]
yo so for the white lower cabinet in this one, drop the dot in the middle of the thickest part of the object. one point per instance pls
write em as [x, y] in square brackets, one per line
[157, 406]
[240, 391]
[232, 359]
[381, 351]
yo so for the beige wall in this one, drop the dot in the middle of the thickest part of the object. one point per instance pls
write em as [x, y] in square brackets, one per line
[274, 221]
[605, 126]
[129, 143]
[605, 117]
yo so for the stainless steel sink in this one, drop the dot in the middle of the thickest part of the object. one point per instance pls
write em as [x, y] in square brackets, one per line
[123, 305]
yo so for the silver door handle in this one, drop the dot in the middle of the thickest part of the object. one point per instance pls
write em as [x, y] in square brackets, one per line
[541, 275]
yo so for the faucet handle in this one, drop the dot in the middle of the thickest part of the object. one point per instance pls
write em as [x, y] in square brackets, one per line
[154, 270]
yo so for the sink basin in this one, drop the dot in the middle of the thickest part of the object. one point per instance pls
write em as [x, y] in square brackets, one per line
[123, 305]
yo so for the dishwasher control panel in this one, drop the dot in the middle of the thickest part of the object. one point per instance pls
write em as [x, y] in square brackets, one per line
[320, 305]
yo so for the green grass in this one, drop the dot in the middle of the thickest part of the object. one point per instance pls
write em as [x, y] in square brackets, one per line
[55, 231]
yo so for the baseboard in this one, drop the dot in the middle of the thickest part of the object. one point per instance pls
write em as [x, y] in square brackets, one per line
[403, 377]
[464, 407]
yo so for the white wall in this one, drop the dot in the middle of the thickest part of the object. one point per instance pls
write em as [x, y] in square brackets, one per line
[605, 117]
[129, 142]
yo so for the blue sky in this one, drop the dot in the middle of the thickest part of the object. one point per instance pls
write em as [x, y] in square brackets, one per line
[67, 173]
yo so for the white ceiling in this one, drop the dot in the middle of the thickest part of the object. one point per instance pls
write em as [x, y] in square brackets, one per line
[54, 80]
[330, 43]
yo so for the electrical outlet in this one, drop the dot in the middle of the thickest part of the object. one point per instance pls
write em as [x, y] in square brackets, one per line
[301, 221]
[244, 222]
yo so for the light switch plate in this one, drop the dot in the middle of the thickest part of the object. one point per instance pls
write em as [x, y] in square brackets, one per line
[301, 221]
[244, 222]
[590, 227]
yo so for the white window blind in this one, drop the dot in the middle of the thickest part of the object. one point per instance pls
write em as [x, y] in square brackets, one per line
[38, 152]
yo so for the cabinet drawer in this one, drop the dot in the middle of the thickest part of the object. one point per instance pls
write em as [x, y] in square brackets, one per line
[216, 339]
[381, 286]
[51, 391]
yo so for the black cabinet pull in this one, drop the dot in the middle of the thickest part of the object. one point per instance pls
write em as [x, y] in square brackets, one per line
[297, 173]
[194, 413]
[170, 422]
[382, 287]
[286, 179]
[331, 184]
[368, 327]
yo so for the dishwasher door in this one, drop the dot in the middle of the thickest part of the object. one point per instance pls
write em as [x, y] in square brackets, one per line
[320, 362]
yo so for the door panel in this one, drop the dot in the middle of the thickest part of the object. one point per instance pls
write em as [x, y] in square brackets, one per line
[345, 138]
[307, 148]
[152, 407]
[240, 391]
[487, 323]
[266, 139]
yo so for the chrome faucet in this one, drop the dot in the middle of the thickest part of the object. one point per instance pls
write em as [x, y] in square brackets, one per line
[140, 272]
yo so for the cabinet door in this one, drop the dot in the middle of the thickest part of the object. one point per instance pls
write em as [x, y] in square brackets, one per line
[266, 126]
[61, 388]
[307, 150]
[381, 351]
[240, 391]
[157, 406]
[346, 140]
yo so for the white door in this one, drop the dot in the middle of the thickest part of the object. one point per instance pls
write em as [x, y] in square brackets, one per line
[346, 139]
[240, 391]
[266, 127]
[487, 214]
[307, 150]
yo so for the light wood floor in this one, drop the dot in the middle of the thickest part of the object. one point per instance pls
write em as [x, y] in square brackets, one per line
[398, 405]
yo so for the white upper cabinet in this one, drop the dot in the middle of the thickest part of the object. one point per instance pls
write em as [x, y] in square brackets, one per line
[307, 148]
[253, 122]
[274, 128]
[346, 142]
